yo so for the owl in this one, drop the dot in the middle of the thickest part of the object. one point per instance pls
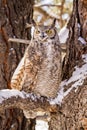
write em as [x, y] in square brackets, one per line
[39, 71]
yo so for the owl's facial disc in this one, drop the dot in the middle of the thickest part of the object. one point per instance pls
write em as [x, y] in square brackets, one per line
[43, 34]
[40, 35]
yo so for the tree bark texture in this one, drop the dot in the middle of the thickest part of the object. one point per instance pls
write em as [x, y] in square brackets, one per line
[77, 28]
[72, 114]
[14, 14]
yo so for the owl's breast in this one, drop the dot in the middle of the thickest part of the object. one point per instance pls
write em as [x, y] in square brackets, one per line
[45, 71]
[49, 74]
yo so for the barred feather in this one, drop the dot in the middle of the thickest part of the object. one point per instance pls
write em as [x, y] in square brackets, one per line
[17, 78]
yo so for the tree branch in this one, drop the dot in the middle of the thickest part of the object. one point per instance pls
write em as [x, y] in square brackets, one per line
[54, 5]
[31, 105]
[18, 40]
[46, 14]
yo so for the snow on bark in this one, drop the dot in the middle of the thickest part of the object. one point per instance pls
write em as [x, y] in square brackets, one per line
[82, 40]
[77, 79]
[7, 93]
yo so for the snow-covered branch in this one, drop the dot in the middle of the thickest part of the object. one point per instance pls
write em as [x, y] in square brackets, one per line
[31, 105]
[34, 106]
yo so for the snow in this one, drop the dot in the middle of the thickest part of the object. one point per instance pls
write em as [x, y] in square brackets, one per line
[84, 58]
[63, 34]
[82, 40]
[59, 98]
[30, 95]
[77, 79]
[79, 26]
[5, 94]
[32, 31]
[41, 125]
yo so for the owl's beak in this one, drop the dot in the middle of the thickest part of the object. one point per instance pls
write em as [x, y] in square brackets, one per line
[42, 35]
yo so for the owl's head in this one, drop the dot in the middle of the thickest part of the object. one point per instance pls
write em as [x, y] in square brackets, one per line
[43, 33]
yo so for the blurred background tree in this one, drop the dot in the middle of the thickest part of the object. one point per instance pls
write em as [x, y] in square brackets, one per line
[46, 10]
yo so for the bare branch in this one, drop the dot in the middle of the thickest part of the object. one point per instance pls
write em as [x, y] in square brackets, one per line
[18, 40]
[46, 14]
[54, 5]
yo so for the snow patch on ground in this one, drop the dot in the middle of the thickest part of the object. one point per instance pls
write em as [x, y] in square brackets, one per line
[77, 79]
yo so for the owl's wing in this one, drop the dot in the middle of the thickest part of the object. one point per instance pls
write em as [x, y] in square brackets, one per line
[30, 68]
[17, 78]
[25, 74]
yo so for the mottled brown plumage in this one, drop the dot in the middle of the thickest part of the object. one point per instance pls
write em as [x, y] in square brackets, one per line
[40, 69]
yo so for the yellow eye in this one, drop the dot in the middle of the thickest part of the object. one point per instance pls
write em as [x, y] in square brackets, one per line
[49, 31]
[37, 31]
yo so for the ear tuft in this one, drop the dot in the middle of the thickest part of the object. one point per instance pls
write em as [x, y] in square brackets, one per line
[53, 23]
[33, 22]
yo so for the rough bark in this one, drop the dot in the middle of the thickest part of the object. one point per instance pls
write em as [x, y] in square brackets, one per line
[72, 114]
[75, 48]
[14, 14]
[24, 101]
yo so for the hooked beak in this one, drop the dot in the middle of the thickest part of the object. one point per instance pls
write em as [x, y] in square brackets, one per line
[42, 35]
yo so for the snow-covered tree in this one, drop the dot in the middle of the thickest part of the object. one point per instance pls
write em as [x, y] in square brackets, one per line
[69, 109]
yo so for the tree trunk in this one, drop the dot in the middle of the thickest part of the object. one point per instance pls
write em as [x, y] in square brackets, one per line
[72, 114]
[14, 14]
[77, 28]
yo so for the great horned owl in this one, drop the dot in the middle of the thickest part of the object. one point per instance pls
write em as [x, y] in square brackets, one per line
[39, 71]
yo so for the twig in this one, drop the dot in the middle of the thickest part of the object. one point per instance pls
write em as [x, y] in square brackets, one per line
[18, 40]
[41, 5]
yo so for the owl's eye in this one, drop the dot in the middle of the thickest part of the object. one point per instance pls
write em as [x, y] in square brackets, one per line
[49, 31]
[37, 31]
